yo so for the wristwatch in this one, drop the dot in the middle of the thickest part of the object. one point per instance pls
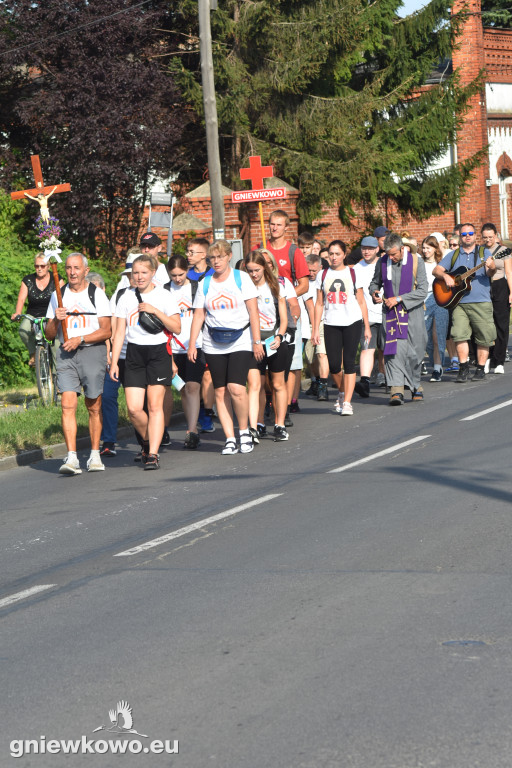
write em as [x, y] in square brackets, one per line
[82, 340]
[257, 342]
[280, 336]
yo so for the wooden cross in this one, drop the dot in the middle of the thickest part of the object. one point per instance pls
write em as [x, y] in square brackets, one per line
[45, 193]
[40, 187]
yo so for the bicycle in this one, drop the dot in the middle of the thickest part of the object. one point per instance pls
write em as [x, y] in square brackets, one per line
[44, 361]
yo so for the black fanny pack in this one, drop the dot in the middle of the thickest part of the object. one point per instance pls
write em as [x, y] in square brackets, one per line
[225, 335]
[148, 322]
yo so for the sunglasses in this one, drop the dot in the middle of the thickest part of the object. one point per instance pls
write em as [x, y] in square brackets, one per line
[454, 244]
[465, 234]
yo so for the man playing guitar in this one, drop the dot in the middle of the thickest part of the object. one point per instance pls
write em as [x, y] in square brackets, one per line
[473, 314]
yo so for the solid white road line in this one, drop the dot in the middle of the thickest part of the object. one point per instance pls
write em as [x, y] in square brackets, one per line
[196, 526]
[487, 410]
[26, 593]
[393, 449]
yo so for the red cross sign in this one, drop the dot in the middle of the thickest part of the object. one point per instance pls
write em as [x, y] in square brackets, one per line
[256, 172]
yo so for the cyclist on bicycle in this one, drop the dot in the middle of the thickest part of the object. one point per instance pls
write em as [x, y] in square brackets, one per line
[37, 288]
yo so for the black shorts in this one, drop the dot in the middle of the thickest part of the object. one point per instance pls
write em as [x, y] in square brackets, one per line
[189, 371]
[147, 365]
[275, 363]
[230, 368]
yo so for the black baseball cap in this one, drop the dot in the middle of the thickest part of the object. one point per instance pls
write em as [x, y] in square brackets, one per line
[149, 240]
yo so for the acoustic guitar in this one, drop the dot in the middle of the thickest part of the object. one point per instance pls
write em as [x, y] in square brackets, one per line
[449, 297]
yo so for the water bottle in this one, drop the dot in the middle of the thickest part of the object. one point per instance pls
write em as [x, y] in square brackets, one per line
[177, 382]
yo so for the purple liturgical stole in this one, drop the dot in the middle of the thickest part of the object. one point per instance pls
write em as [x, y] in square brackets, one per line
[397, 319]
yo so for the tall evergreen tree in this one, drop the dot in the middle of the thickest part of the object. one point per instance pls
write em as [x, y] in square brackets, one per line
[497, 13]
[332, 92]
[82, 84]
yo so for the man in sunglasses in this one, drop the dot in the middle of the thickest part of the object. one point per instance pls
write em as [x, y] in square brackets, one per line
[473, 314]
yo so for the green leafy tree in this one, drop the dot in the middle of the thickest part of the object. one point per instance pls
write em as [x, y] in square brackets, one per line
[332, 93]
[497, 13]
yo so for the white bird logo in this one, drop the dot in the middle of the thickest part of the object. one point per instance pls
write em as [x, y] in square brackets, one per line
[121, 720]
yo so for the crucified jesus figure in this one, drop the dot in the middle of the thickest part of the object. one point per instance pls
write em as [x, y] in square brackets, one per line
[43, 203]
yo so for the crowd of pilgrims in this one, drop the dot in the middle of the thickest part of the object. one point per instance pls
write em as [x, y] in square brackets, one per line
[239, 337]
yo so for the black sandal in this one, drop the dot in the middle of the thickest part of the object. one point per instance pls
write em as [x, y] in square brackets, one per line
[152, 461]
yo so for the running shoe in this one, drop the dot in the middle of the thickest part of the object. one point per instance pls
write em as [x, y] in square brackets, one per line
[507, 356]
[152, 461]
[347, 410]
[499, 369]
[323, 392]
[192, 441]
[294, 406]
[205, 421]
[255, 436]
[262, 432]
[95, 464]
[287, 421]
[166, 439]
[436, 375]
[108, 449]
[338, 405]
[380, 380]
[424, 371]
[363, 388]
[313, 389]
[280, 434]
[70, 467]
[479, 375]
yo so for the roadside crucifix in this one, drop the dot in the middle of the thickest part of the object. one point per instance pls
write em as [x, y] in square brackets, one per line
[48, 229]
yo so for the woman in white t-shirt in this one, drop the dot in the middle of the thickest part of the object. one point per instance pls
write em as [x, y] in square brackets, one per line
[436, 317]
[184, 291]
[272, 327]
[227, 304]
[340, 298]
[148, 369]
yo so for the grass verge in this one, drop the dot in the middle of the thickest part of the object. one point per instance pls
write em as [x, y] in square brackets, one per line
[35, 426]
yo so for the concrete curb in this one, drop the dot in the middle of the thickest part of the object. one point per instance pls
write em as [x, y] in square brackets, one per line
[24, 458]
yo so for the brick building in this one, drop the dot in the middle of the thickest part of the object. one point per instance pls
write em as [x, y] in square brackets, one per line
[488, 122]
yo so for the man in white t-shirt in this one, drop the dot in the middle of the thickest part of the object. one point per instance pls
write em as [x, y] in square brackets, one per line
[82, 359]
[365, 270]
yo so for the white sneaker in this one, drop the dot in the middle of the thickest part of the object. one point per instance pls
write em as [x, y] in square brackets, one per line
[499, 369]
[347, 409]
[95, 465]
[70, 467]
[338, 405]
[487, 366]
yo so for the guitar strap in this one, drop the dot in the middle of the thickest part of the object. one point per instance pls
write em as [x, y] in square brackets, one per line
[479, 251]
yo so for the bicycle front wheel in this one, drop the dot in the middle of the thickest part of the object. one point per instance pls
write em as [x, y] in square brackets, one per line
[44, 374]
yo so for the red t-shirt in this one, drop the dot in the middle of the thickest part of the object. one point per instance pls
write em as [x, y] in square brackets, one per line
[283, 262]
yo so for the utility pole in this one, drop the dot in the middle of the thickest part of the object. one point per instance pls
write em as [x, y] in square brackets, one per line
[210, 116]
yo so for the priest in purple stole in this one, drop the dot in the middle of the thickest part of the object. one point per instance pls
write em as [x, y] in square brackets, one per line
[403, 277]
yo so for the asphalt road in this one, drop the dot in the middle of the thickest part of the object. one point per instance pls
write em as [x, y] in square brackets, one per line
[351, 619]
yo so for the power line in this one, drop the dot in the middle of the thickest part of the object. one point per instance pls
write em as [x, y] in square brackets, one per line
[40, 43]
